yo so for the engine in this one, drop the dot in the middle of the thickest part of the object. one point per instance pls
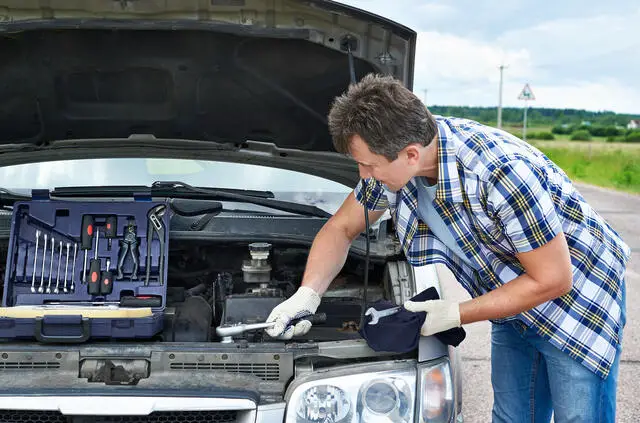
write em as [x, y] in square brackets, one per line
[211, 286]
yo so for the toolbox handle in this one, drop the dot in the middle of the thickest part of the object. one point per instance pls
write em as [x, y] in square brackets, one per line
[82, 337]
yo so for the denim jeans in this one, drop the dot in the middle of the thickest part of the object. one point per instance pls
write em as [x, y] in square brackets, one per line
[532, 379]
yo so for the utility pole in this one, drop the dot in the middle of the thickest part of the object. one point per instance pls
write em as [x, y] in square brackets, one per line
[501, 67]
[425, 96]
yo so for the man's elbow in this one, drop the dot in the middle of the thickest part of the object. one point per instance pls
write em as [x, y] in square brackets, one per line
[561, 284]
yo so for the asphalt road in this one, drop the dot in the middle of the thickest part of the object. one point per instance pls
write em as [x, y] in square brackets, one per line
[622, 212]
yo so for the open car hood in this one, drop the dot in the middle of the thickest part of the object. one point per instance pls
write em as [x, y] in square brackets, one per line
[228, 71]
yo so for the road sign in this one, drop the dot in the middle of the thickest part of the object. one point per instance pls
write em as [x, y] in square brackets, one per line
[526, 93]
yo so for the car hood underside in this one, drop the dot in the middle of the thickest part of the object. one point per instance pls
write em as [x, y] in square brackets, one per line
[226, 71]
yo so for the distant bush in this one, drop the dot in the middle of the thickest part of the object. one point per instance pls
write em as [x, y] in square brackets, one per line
[541, 136]
[580, 135]
[619, 138]
[604, 131]
[633, 136]
[561, 130]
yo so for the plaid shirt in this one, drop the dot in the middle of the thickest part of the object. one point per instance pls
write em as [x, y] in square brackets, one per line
[500, 196]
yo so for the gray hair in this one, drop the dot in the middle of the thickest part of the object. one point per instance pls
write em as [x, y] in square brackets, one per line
[386, 114]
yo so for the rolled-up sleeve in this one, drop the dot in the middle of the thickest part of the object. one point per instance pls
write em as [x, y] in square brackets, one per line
[373, 192]
[523, 205]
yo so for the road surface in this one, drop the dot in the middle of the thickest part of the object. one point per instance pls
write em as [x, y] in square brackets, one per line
[622, 212]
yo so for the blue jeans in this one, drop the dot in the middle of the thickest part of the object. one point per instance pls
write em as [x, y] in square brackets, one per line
[531, 379]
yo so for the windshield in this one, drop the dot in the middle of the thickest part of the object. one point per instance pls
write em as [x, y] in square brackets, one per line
[285, 184]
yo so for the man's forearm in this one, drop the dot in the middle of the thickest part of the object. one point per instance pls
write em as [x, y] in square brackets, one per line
[520, 294]
[327, 256]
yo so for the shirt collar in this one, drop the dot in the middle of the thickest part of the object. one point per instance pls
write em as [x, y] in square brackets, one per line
[449, 187]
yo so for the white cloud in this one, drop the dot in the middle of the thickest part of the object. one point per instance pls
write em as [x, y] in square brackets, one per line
[584, 55]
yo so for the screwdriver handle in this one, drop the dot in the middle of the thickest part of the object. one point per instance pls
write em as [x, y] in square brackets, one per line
[110, 229]
[106, 282]
[87, 232]
[93, 282]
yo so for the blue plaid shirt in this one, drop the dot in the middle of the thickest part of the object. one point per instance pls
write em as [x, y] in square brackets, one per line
[500, 196]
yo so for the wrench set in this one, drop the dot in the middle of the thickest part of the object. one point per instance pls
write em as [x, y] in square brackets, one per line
[70, 253]
[48, 250]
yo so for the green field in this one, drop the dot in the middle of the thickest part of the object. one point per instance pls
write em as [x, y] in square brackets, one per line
[606, 164]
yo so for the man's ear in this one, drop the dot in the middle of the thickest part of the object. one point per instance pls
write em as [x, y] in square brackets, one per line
[413, 154]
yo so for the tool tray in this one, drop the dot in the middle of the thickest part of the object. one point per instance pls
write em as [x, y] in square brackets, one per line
[47, 281]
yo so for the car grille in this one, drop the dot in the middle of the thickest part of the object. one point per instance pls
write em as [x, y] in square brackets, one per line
[27, 416]
[267, 372]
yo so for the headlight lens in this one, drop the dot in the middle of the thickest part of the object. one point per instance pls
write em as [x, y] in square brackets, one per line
[323, 403]
[380, 397]
[435, 385]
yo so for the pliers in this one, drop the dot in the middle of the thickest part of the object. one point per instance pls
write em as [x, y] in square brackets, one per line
[155, 226]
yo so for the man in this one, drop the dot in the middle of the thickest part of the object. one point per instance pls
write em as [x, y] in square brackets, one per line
[537, 260]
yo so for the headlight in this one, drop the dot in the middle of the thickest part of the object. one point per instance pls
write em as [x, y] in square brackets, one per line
[435, 385]
[365, 397]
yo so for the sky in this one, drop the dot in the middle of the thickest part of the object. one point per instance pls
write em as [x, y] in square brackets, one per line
[582, 54]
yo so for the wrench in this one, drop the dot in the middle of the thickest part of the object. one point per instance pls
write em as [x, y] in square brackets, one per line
[73, 269]
[378, 314]
[53, 247]
[66, 268]
[56, 290]
[35, 261]
[44, 260]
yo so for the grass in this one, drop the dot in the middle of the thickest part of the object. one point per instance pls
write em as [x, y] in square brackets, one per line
[609, 165]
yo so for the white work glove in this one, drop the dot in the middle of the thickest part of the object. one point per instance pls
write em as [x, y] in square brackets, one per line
[304, 302]
[441, 315]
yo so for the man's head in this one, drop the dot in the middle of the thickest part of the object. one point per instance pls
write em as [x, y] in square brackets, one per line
[384, 127]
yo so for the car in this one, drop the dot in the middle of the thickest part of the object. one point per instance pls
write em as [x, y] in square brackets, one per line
[217, 111]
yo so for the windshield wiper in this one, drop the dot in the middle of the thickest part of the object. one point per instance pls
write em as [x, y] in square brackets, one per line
[176, 189]
[158, 189]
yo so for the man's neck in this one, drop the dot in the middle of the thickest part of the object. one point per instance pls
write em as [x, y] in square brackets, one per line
[429, 165]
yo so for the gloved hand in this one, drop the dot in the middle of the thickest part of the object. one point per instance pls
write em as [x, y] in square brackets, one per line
[304, 302]
[441, 315]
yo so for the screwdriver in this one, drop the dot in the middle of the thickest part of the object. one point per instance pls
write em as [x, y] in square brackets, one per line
[110, 229]
[85, 240]
[94, 271]
[106, 285]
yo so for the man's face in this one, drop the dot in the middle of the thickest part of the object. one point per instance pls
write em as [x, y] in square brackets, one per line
[393, 174]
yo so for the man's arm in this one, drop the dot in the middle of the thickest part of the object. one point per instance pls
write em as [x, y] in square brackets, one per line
[329, 251]
[548, 275]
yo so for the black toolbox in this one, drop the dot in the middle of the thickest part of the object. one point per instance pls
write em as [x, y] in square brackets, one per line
[49, 297]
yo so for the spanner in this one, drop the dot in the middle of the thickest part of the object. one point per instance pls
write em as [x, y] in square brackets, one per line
[378, 314]
[35, 261]
[66, 268]
[56, 290]
[53, 247]
[44, 260]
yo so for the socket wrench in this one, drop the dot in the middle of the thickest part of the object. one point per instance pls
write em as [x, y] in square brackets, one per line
[226, 332]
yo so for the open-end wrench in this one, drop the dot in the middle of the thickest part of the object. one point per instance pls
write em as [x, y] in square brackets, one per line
[44, 260]
[73, 267]
[35, 262]
[376, 315]
[66, 268]
[56, 290]
[53, 247]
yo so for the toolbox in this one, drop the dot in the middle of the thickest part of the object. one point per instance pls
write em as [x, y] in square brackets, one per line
[85, 270]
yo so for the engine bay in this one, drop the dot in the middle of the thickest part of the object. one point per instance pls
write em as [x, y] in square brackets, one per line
[211, 285]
